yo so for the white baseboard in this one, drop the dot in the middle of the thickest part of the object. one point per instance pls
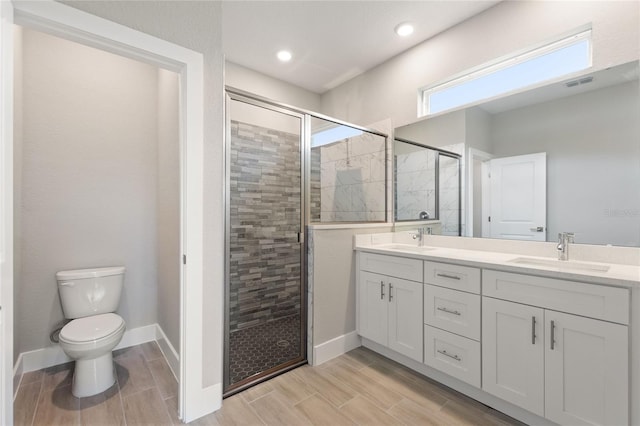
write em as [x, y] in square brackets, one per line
[54, 355]
[17, 375]
[335, 347]
[169, 352]
[208, 401]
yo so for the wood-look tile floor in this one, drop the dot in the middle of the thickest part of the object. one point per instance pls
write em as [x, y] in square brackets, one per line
[357, 388]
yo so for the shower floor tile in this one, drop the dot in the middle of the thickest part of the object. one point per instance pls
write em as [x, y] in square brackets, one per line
[258, 348]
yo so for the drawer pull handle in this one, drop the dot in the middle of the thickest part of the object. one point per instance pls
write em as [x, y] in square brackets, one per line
[443, 352]
[533, 330]
[451, 277]
[553, 334]
[448, 311]
[390, 290]
[381, 290]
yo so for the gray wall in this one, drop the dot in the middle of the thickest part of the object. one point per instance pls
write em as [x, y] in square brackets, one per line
[243, 78]
[334, 281]
[195, 25]
[592, 145]
[168, 207]
[88, 174]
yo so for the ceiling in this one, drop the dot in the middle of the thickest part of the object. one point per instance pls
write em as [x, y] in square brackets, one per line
[331, 41]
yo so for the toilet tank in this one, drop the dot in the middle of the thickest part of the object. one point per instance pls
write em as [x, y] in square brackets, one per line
[85, 292]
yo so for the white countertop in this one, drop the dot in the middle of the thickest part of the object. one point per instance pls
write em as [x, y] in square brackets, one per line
[621, 275]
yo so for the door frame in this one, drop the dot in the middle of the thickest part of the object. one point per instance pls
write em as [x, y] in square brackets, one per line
[472, 155]
[195, 400]
[6, 213]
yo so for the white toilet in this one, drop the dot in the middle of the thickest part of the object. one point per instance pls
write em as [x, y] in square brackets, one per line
[89, 297]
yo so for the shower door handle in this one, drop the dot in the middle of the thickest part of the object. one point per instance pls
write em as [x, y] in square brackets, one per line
[300, 237]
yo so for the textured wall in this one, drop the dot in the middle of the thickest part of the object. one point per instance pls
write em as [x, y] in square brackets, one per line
[265, 218]
[88, 178]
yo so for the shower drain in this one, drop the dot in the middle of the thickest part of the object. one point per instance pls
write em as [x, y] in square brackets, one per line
[282, 343]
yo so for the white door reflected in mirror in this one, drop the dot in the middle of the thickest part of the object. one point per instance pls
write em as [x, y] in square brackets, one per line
[518, 199]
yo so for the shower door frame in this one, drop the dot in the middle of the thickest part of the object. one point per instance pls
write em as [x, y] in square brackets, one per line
[232, 94]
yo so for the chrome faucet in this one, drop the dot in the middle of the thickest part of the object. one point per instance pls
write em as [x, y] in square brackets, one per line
[419, 235]
[564, 238]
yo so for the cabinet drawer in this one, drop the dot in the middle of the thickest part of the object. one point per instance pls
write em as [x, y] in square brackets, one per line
[452, 310]
[452, 354]
[393, 266]
[589, 300]
[462, 278]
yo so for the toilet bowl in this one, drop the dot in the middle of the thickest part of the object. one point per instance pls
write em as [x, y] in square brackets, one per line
[89, 297]
[90, 341]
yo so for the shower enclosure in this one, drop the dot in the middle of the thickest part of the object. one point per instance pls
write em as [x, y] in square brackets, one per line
[265, 199]
[285, 168]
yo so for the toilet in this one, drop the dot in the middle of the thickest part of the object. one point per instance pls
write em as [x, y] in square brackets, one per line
[89, 298]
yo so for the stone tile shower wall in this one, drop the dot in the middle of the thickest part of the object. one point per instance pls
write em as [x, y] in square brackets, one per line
[352, 179]
[265, 217]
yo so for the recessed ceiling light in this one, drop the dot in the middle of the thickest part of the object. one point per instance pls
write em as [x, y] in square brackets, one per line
[404, 29]
[284, 55]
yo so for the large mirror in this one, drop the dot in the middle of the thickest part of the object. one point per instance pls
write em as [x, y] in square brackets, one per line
[560, 158]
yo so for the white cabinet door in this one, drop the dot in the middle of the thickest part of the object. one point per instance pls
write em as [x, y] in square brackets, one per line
[586, 371]
[373, 307]
[513, 353]
[405, 317]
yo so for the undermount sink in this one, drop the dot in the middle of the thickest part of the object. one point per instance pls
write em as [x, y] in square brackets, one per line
[406, 247]
[561, 264]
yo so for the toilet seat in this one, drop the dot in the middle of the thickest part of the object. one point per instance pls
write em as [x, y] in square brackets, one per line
[92, 328]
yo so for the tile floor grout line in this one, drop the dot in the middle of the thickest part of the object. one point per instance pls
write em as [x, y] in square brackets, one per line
[35, 409]
[156, 387]
[254, 412]
[124, 416]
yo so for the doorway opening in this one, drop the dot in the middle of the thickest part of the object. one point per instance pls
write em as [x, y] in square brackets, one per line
[96, 183]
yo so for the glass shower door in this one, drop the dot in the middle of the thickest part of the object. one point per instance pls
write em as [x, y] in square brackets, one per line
[265, 291]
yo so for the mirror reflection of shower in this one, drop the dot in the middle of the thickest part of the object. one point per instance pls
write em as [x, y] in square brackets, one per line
[427, 185]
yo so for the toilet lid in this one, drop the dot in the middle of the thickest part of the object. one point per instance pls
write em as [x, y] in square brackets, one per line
[91, 328]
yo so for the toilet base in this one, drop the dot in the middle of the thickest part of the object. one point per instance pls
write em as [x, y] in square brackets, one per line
[93, 376]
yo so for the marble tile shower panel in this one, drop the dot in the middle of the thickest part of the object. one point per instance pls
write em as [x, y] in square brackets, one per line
[352, 174]
[265, 216]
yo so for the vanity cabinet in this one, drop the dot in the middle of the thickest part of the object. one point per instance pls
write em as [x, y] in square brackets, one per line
[557, 348]
[389, 306]
[568, 368]
[452, 320]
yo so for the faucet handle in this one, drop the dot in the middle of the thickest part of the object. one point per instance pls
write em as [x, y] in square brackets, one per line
[566, 236]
